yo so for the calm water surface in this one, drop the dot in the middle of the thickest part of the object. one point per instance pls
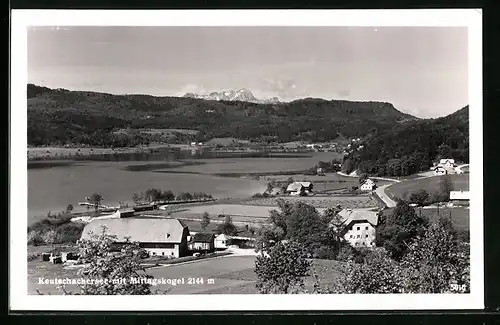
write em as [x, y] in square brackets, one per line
[53, 187]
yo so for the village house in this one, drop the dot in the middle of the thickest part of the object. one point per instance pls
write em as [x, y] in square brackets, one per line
[299, 188]
[222, 241]
[447, 163]
[460, 198]
[201, 242]
[359, 227]
[159, 237]
[444, 167]
[368, 185]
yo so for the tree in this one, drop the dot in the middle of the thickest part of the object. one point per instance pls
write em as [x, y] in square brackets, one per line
[269, 188]
[289, 180]
[378, 273]
[396, 230]
[436, 260]
[227, 227]
[303, 224]
[444, 151]
[445, 187]
[154, 195]
[420, 197]
[69, 208]
[168, 195]
[184, 196]
[138, 198]
[282, 269]
[363, 178]
[104, 261]
[348, 166]
[205, 221]
[96, 200]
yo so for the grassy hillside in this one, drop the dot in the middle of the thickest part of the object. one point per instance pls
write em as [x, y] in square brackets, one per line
[61, 116]
[411, 147]
[430, 184]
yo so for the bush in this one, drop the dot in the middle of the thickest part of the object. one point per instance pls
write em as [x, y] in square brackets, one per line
[51, 237]
[70, 232]
[35, 238]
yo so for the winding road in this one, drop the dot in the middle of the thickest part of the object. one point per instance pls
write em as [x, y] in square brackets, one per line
[380, 191]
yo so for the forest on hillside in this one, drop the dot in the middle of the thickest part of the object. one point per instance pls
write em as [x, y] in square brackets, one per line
[409, 148]
[59, 117]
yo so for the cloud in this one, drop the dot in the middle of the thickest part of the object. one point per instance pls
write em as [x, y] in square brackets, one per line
[283, 87]
[193, 88]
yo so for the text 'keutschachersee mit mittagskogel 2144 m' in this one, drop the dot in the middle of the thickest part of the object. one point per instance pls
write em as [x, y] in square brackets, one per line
[132, 280]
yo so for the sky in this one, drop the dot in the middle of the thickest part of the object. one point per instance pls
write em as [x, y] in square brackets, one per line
[423, 71]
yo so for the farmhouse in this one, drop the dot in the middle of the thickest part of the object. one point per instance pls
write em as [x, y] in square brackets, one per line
[368, 185]
[299, 188]
[202, 242]
[359, 227]
[222, 241]
[460, 197]
[165, 237]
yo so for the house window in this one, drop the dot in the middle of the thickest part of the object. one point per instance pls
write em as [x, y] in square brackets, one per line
[358, 236]
[358, 228]
[366, 236]
[154, 253]
[172, 253]
[163, 253]
[363, 243]
[350, 236]
[366, 228]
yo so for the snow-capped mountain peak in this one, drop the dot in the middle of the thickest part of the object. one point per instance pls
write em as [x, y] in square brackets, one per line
[243, 95]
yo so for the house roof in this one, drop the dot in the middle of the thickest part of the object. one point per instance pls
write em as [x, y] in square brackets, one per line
[444, 161]
[459, 195]
[138, 229]
[368, 182]
[203, 237]
[126, 210]
[297, 186]
[350, 215]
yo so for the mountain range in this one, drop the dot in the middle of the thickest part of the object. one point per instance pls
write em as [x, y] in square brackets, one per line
[61, 116]
[243, 95]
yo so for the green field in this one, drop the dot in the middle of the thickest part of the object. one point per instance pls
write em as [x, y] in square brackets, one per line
[459, 216]
[430, 184]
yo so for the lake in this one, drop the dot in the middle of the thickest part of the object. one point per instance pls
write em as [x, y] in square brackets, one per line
[51, 187]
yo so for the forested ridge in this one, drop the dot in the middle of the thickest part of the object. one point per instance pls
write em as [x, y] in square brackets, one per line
[411, 147]
[59, 116]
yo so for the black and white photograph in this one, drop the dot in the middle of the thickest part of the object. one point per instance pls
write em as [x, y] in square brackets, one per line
[220, 159]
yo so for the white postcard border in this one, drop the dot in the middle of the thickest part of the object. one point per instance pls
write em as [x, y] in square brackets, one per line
[21, 19]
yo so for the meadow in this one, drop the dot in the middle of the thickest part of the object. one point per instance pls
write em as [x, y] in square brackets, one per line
[460, 216]
[321, 202]
[430, 184]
